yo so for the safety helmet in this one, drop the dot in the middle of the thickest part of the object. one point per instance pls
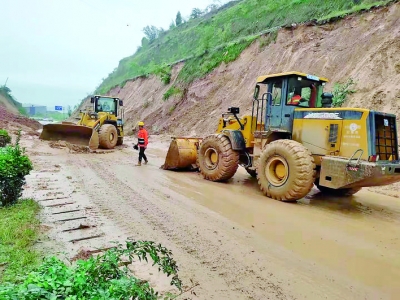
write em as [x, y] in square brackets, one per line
[140, 123]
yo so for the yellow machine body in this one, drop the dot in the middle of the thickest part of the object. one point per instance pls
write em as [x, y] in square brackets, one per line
[294, 127]
[86, 131]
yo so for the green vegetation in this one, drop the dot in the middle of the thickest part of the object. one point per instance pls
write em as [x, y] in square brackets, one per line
[341, 91]
[5, 138]
[105, 276]
[164, 72]
[99, 277]
[203, 40]
[171, 109]
[173, 90]
[267, 39]
[19, 229]
[56, 116]
[146, 104]
[14, 166]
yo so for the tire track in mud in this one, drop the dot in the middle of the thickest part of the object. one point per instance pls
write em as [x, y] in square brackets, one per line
[146, 215]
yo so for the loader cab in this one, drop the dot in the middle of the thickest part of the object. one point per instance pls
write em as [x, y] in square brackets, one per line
[276, 97]
[106, 104]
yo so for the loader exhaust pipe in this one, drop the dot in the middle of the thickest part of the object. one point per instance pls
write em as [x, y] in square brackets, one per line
[182, 154]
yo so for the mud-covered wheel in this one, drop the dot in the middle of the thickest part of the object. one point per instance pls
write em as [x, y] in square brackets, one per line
[120, 141]
[252, 173]
[286, 170]
[336, 192]
[216, 159]
[108, 136]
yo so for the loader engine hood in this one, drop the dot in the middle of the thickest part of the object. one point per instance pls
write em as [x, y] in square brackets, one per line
[343, 131]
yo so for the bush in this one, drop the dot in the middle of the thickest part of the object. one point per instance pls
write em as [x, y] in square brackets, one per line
[171, 92]
[100, 277]
[4, 138]
[164, 72]
[341, 91]
[14, 166]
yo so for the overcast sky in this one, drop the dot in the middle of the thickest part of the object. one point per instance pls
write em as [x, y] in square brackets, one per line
[55, 52]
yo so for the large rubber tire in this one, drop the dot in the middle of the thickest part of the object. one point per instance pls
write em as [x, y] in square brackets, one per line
[216, 159]
[286, 170]
[108, 136]
[336, 192]
[252, 173]
[120, 141]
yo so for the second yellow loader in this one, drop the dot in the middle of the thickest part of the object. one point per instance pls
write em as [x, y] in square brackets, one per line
[101, 126]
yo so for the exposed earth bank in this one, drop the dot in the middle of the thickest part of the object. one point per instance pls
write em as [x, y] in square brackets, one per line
[14, 122]
[364, 47]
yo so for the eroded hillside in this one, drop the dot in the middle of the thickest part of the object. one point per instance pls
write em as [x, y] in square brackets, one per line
[10, 116]
[364, 47]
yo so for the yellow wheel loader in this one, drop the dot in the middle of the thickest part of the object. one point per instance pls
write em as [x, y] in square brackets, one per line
[295, 139]
[100, 126]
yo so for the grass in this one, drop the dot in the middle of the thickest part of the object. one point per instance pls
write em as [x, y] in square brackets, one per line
[171, 92]
[202, 41]
[19, 229]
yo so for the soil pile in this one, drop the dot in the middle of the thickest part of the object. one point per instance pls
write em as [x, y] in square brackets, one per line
[13, 122]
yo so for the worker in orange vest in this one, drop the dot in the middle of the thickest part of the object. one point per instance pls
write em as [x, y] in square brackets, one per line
[143, 140]
[295, 100]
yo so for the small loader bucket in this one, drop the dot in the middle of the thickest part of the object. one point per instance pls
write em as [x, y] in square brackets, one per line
[182, 154]
[71, 133]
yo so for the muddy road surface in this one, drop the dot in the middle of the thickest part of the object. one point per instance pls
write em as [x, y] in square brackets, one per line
[230, 241]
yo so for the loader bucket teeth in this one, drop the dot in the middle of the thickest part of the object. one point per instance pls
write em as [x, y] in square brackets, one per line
[182, 154]
[73, 134]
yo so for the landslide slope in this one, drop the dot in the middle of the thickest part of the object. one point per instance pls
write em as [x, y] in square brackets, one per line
[10, 116]
[364, 46]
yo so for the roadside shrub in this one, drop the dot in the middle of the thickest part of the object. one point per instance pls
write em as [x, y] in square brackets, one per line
[341, 91]
[105, 276]
[14, 166]
[5, 138]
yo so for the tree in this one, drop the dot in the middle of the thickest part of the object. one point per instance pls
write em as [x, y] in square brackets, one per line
[172, 25]
[145, 42]
[178, 20]
[151, 32]
[211, 8]
[69, 109]
[196, 12]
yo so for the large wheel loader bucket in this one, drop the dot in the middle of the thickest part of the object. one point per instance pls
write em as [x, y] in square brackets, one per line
[71, 133]
[182, 154]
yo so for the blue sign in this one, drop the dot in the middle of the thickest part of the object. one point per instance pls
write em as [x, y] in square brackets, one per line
[312, 77]
[59, 108]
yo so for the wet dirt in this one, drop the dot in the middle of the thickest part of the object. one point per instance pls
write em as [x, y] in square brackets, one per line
[13, 122]
[227, 237]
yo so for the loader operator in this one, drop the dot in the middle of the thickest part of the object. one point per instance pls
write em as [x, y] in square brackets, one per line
[143, 140]
[295, 96]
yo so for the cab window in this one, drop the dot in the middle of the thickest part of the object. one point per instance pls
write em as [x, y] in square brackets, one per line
[302, 92]
[276, 92]
[106, 105]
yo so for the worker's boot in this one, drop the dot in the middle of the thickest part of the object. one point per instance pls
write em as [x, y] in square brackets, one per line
[138, 164]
